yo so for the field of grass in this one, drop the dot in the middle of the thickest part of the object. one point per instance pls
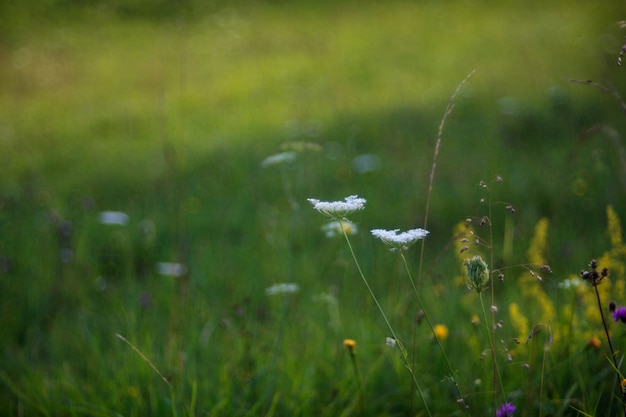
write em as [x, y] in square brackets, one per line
[170, 117]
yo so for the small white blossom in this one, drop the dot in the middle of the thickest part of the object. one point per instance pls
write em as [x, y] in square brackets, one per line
[171, 268]
[282, 288]
[399, 241]
[336, 228]
[114, 218]
[390, 341]
[338, 210]
[278, 158]
[570, 283]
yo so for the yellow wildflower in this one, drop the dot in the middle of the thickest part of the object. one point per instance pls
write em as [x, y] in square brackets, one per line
[441, 331]
[350, 344]
[594, 342]
[518, 320]
[614, 228]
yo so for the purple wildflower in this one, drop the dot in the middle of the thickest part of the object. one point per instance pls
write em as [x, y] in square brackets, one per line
[619, 314]
[506, 410]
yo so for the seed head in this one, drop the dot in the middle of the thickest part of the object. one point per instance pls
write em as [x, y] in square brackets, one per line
[477, 274]
[593, 277]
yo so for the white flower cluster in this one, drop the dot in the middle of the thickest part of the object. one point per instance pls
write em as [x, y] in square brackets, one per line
[338, 210]
[399, 241]
[282, 288]
[171, 269]
[390, 341]
[279, 158]
[114, 218]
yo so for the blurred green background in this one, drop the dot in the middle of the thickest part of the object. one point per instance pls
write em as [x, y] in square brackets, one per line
[165, 111]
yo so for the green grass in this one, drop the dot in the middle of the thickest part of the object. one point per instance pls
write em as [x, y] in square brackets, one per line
[169, 118]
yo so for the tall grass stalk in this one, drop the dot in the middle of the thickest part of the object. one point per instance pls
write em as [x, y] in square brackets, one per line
[148, 361]
[431, 181]
[433, 168]
[155, 369]
[403, 355]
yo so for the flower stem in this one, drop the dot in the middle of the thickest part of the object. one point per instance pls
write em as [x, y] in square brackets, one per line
[357, 375]
[432, 329]
[382, 312]
[496, 370]
[608, 338]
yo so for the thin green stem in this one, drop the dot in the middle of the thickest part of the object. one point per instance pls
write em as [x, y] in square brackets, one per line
[357, 375]
[432, 329]
[433, 167]
[367, 285]
[496, 370]
[382, 312]
[543, 370]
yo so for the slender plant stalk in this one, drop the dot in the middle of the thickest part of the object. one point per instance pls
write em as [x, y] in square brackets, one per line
[433, 167]
[431, 181]
[357, 375]
[154, 368]
[432, 329]
[496, 370]
[492, 331]
[382, 312]
[609, 90]
[608, 338]
[543, 372]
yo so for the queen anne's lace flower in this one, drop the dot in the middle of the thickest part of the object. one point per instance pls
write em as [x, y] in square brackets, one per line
[282, 288]
[399, 241]
[338, 210]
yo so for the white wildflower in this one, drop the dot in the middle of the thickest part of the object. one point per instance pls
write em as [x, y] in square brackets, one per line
[399, 241]
[570, 283]
[338, 210]
[391, 342]
[282, 288]
[114, 218]
[336, 228]
[171, 268]
[278, 158]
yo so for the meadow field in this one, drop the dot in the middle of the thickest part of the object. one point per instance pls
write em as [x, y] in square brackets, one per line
[166, 249]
